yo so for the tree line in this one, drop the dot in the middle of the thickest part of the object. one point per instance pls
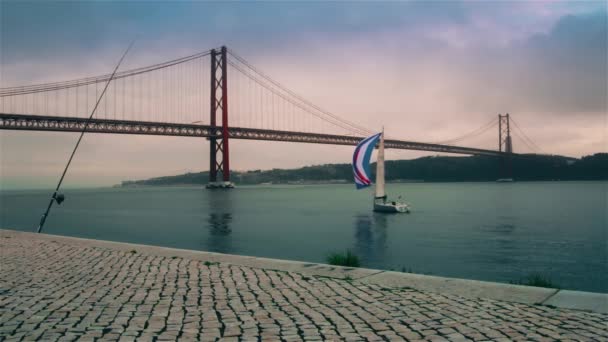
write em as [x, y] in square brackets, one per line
[427, 169]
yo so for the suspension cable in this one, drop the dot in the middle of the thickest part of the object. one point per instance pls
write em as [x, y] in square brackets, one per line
[300, 98]
[295, 103]
[526, 136]
[480, 130]
[44, 87]
[532, 148]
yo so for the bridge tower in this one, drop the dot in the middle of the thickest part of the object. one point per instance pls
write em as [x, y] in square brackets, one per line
[505, 144]
[504, 134]
[219, 153]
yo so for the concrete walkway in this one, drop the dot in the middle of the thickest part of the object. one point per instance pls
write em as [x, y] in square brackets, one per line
[62, 288]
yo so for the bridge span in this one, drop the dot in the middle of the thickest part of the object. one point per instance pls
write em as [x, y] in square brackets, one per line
[74, 124]
[191, 96]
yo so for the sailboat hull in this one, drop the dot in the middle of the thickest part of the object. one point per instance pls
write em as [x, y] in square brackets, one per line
[391, 207]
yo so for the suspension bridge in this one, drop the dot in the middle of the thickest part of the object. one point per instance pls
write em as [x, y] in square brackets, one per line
[191, 97]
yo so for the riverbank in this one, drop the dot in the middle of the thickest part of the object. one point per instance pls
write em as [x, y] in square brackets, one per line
[56, 286]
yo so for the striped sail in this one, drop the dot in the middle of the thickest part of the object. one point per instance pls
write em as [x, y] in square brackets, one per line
[361, 157]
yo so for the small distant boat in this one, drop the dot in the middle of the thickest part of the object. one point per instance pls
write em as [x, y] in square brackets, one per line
[361, 171]
[505, 180]
[220, 185]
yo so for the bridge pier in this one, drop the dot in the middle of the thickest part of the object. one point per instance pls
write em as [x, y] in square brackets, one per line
[505, 144]
[219, 152]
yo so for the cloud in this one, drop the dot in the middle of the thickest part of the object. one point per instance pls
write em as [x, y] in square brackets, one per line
[560, 72]
[426, 71]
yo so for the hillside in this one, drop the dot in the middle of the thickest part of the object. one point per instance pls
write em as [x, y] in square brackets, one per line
[427, 169]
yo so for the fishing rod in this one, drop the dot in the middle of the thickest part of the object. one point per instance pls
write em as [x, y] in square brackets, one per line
[57, 197]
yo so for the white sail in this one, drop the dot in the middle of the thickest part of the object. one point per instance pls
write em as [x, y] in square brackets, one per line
[380, 169]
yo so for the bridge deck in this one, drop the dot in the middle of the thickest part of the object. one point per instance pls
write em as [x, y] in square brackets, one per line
[70, 124]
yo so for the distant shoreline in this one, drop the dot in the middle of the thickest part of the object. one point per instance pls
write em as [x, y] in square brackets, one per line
[440, 169]
[265, 183]
[118, 186]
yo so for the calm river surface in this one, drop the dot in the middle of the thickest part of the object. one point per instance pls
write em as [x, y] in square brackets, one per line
[485, 231]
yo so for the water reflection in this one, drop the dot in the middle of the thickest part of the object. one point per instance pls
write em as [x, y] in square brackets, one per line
[370, 238]
[219, 221]
[500, 244]
[500, 228]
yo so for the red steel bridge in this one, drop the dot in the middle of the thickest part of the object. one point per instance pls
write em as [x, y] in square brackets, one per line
[191, 97]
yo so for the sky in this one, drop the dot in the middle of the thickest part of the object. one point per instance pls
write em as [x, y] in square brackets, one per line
[426, 71]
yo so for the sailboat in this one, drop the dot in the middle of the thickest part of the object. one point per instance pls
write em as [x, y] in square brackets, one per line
[361, 172]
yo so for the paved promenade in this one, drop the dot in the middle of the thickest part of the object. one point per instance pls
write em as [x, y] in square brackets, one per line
[57, 288]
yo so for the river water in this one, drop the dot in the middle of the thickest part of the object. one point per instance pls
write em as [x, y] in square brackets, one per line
[485, 231]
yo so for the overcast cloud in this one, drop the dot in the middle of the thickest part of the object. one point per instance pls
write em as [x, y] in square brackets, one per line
[431, 71]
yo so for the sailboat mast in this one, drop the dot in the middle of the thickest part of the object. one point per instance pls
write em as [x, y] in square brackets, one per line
[380, 193]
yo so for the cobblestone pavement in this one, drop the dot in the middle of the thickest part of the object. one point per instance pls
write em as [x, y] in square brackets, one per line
[53, 290]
